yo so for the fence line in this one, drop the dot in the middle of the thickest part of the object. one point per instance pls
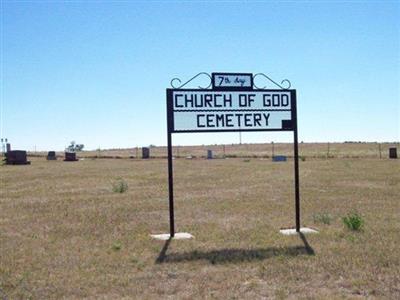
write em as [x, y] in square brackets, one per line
[267, 150]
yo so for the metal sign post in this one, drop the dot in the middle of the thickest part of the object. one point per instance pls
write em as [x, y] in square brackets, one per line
[296, 164]
[170, 186]
[233, 103]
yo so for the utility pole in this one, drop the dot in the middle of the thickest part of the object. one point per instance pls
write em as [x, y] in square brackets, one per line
[380, 152]
[273, 150]
[3, 145]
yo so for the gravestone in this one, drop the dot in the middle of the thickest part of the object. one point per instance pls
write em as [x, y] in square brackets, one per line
[16, 157]
[145, 152]
[393, 152]
[278, 158]
[51, 155]
[70, 156]
[209, 154]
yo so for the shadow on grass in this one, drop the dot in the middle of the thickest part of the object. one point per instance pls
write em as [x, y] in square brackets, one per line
[307, 247]
[163, 254]
[234, 255]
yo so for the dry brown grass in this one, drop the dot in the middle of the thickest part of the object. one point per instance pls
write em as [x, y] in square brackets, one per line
[65, 234]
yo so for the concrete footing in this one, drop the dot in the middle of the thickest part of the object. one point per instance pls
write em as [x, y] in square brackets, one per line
[292, 231]
[177, 236]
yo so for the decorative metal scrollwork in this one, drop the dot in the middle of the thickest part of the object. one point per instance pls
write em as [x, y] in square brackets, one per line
[179, 85]
[284, 81]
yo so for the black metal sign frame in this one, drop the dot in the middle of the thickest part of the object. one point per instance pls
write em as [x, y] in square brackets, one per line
[286, 126]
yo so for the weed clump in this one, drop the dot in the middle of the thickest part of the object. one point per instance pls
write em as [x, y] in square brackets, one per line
[353, 221]
[116, 246]
[120, 186]
[323, 218]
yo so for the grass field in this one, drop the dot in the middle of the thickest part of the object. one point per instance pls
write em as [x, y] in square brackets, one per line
[64, 233]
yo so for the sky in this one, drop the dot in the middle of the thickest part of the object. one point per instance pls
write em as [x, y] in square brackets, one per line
[96, 72]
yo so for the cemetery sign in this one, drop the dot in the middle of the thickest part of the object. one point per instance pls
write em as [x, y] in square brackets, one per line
[207, 111]
[233, 103]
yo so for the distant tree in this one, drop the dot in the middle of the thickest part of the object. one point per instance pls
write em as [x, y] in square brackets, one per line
[74, 147]
[79, 147]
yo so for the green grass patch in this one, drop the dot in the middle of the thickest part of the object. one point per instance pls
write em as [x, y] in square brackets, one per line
[120, 186]
[353, 221]
[323, 218]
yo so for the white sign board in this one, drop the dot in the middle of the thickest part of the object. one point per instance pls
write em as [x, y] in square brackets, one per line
[207, 110]
[230, 80]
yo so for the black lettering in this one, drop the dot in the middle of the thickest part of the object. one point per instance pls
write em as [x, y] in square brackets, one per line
[242, 100]
[176, 100]
[216, 96]
[257, 119]
[189, 100]
[210, 120]
[208, 100]
[285, 100]
[227, 99]
[247, 120]
[251, 98]
[276, 100]
[238, 119]
[266, 117]
[198, 102]
[198, 121]
[220, 120]
[267, 100]
[228, 120]
[240, 81]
